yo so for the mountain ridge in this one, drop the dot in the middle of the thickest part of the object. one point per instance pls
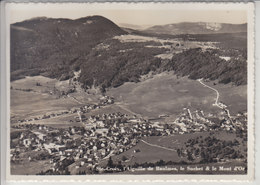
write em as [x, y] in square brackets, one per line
[197, 28]
[50, 45]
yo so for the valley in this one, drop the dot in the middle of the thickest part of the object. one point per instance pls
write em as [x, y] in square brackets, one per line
[115, 102]
[157, 100]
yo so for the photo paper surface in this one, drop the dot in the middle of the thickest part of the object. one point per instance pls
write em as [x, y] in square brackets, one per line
[121, 91]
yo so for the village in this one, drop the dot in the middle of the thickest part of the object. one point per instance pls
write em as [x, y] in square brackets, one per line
[83, 148]
[103, 101]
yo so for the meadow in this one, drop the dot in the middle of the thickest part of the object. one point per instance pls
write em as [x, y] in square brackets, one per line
[235, 97]
[166, 93]
[147, 154]
[159, 94]
[35, 96]
[150, 153]
[32, 167]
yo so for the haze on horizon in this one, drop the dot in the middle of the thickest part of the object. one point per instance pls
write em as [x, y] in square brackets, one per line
[159, 16]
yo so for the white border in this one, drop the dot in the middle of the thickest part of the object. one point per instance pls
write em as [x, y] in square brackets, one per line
[249, 7]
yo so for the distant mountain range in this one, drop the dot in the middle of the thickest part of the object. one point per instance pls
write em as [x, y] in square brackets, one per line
[133, 26]
[197, 28]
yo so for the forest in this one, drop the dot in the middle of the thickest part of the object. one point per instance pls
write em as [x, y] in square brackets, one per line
[56, 48]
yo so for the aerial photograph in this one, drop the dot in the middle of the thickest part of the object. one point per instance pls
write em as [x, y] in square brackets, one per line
[128, 92]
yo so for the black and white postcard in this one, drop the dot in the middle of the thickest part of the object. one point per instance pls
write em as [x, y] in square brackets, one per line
[121, 91]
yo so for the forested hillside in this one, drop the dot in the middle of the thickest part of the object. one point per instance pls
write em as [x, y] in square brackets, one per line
[51, 46]
[197, 64]
[57, 47]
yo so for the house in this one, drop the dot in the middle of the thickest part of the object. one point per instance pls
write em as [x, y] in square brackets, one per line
[135, 120]
[77, 156]
[103, 152]
[27, 142]
[82, 163]
[100, 124]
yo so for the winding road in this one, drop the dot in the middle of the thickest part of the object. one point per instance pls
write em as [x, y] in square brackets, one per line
[216, 101]
[217, 98]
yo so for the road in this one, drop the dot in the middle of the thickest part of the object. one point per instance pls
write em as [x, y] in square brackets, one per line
[158, 146]
[216, 102]
[217, 98]
[73, 98]
[122, 106]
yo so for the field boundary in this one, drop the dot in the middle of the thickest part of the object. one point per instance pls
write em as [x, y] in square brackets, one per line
[158, 146]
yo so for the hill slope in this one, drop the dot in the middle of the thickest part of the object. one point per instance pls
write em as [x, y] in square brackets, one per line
[54, 45]
[197, 28]
[56, 48]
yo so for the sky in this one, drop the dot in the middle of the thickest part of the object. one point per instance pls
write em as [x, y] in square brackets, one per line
[147, 14]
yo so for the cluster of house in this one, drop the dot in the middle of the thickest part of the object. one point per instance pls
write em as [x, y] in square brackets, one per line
[45, 116]
[102, 136]
[104, 100]
[197, 121]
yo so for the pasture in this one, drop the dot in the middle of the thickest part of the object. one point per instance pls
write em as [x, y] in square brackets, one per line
[178, 140]
[32, 167]
[235, 97]
[164, 93]
[150, 152]
[62, 121]
[36, 83]
[147, 154]
[109, 109]
[40, 99]
[31, 104]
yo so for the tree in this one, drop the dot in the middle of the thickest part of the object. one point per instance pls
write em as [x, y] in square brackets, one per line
[161, 163]
[124, 158]
[66, 172]
[120, 166]
[179, 152]
[110, 163]
[189, 156]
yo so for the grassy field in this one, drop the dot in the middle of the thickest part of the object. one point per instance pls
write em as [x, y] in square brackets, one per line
[164, 94]
[235, 97]
[150, 153]
[41, 99]
[174, 141]
[57, 122]
[38, 101]
[30, 104]
[178, 140]
[167, 94]
[108, 110]
[147, 154]
[44, 84]
[30, 168]
[161, 94]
